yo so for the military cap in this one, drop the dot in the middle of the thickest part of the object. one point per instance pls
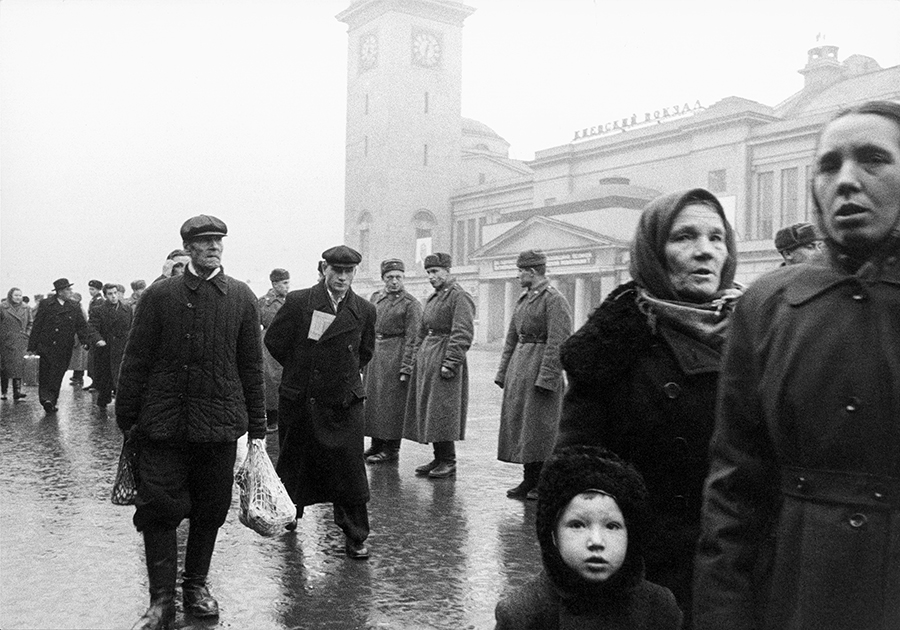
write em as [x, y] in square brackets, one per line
[531, 258]
[438, 259]
[391, 264]
[278, 275]
[202, 225]
[62, 283]
[794, 236]
[95, 284]
[342, 256]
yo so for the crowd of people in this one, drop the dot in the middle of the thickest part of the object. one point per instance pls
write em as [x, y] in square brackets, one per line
[703, 454]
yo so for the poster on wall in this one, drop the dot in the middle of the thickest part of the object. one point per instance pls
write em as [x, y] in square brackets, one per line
[423, 249]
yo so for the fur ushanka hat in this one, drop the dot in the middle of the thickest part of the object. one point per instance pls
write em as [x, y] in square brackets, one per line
[571, 471]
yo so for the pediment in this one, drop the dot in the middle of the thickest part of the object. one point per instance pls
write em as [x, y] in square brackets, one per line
[543, 233]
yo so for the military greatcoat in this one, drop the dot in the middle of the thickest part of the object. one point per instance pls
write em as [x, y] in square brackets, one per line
[268, 306]
[396, 339]
[531, 375]
[436, 406]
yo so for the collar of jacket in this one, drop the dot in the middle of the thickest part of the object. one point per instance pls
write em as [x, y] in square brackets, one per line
[383, 293]
[219, 281]
[449, 285]
[807, 282]
[534, 291]
[322, 300]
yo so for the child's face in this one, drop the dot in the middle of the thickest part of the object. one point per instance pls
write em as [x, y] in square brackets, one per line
[591, 536]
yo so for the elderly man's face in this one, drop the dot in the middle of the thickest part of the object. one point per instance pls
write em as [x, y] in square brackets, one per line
[857, 180]
[339, 277]
[205, 253]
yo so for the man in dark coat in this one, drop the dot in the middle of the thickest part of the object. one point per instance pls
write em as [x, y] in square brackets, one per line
[801, 513]
[52, 337]
[387, 376]
[323, 336]
[190, 386]
[112, 321]
[95, 290]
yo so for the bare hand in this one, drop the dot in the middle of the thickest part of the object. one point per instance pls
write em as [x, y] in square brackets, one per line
[404, 378]
[446, 373]
[101, 343]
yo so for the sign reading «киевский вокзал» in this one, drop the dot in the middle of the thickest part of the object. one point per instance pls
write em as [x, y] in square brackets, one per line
[570, 259]
[635, 121]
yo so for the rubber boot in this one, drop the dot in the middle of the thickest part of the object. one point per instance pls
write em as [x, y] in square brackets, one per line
[17, 389]
[198, 601]
[161, 550]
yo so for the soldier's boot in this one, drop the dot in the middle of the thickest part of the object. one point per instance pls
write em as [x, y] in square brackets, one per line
[376, 446]
[161, 550]
[17, 389]
[445, 454]
[196, 596]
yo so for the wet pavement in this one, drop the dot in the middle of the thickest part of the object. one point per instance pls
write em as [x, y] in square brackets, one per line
[443, 551]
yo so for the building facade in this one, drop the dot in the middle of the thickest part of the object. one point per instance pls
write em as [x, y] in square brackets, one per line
[422, 178]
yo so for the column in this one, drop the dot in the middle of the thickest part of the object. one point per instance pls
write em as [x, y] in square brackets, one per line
[582, 307]
[510, 297]
[483, 314]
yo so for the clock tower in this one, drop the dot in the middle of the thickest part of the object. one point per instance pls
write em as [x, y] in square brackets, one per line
[404, 128]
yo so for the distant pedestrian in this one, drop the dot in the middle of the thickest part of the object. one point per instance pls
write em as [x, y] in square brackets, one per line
[112, 321]
[15, 326]
[438, 396]
[592, 517]
[799, 243]
[190, 386]
[269, 304]
[387, 375]
[530, 373]
[137, 288]
[323, 336]
[52, 337]
[95, 289]
[79, 362]
[177, 257]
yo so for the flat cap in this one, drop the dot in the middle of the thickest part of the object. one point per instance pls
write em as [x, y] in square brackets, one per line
[531, 258]
[392, 264]
[342, 256]
[62, 283]
[95, 284]
[279, 274]
[797, 235]
[438, 259]
[203, 225]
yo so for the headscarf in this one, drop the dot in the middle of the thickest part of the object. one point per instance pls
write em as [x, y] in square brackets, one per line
[657, 298]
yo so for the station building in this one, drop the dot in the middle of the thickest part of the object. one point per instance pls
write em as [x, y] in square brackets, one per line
[422, 178]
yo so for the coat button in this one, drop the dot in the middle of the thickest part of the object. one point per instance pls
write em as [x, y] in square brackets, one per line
[853, 403]
[858, 520]
[801, 484]
[672, 390]
[189, 305]
[187, 336]
[184, 367]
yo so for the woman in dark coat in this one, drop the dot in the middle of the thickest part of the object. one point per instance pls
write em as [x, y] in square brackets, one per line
[643, 370]
[15, 326]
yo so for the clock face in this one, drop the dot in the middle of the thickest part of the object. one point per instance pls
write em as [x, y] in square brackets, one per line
[368, 51]
[426, 49]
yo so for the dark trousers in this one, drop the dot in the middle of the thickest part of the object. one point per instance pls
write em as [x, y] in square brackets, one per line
[103, 376]
[51, 371]
[352, 518]
[186, 480]
[445, 452]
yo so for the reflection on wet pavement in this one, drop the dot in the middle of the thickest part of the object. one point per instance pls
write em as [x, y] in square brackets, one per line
[443, 551]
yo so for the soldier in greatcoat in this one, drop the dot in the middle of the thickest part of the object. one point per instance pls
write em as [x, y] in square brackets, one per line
[52, 337]
[387, 376]
[323, 336]
[439, 388]
[530, 373]
[112, 321]
[269, 304]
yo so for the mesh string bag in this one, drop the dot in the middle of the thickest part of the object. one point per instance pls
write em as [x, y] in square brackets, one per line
[265, 505]
[125, 487]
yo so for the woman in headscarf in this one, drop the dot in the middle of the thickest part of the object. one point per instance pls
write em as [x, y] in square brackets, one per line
[15, 326]
[644, 368]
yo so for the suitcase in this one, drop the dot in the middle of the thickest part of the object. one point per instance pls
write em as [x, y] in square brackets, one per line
[30, 377]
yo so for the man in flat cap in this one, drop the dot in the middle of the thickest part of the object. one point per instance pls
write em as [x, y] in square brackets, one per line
[530, 373]
[323, 337]
[269, 304]
[95, 290]
[112, 321]
[190, 385]
[387, 376]
[438, 396]
[799, 243]
[56, 323]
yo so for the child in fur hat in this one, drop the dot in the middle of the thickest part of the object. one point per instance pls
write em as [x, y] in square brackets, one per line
[591, 521]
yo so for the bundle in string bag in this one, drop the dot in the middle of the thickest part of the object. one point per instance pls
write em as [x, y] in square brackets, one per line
[266, 506]
[124, 488]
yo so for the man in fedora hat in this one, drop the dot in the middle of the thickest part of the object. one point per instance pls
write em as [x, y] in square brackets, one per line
[323, 336]
[190, 385]
[438, 396]
[530, 373]
[396, 336]
[52, 337]
[269, 304]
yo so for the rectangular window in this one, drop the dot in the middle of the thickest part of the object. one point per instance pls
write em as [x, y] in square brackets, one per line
[471, 238]
[460, 241]
[425, 156]
[765, 201]
[482, 178]
[789, 196]
[426, 102]
[717, 181]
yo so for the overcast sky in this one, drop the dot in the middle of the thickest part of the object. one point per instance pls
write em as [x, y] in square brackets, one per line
[120, 119]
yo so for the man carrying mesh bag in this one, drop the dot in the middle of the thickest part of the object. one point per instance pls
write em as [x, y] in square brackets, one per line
[190, 385]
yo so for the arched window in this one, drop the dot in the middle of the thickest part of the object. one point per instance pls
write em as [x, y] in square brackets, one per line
[363, 225]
